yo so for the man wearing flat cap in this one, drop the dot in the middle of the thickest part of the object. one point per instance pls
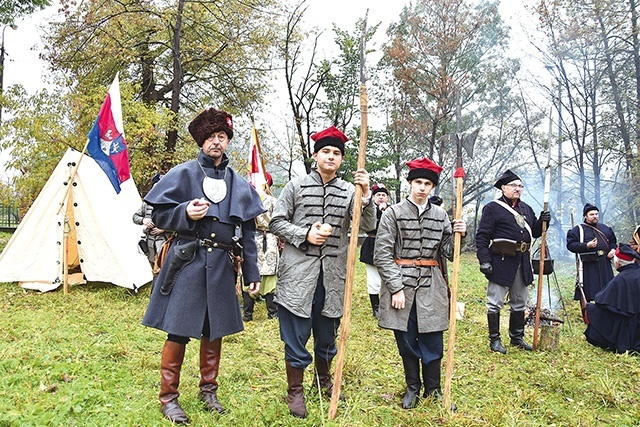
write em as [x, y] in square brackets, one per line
[595, 244]
[503, 240]
[412, 236]
[312, 216]
[380, 199]
[614, 319]
[212, 210]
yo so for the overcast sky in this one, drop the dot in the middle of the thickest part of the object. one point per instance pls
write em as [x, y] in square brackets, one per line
[22, 46]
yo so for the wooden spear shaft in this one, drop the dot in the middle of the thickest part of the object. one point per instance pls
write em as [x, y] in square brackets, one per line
[543, 239]
[351, 261]
[453, 302]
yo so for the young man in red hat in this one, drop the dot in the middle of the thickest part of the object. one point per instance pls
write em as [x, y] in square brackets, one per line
[412, 236]
[614, 319]
[312, 216]
[212, 209]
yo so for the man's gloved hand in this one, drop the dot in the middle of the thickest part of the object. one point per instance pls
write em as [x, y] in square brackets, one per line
[545, 216]
[486, 268]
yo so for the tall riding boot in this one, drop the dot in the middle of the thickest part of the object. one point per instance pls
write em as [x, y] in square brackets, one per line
[412, 377]
[295, 391]
[431, 378]
[493, 319]
[516, 330]
[272, 307]
[209, 366]
[170, 366]
[247, 306]
[375, 304]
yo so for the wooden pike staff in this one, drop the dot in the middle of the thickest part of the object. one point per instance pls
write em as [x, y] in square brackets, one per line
[467, 142]
[543, 238]
[353, 241]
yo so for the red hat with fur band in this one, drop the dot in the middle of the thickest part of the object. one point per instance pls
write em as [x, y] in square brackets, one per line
[330, 136]
[424, 168]
[208, 122]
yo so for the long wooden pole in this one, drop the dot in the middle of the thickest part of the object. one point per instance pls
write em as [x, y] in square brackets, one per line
[543, 239]
[453, 302]
[353, 240]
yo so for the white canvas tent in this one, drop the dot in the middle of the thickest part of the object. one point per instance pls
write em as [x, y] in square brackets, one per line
[97, 223]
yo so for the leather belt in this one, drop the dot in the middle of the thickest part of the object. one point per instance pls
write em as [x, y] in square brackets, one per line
[418, 262]
[208, 243]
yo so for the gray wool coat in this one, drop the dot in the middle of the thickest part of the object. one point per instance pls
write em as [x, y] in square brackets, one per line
[402, 234]
[303, 202]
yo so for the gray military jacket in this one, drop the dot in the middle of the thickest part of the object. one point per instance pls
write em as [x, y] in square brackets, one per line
[303, 202]
[402, 234]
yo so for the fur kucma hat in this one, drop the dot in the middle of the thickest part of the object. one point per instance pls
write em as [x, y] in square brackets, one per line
[208, 122]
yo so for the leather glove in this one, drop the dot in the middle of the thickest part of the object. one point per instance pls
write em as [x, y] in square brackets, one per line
[545, 216]
[486, 268]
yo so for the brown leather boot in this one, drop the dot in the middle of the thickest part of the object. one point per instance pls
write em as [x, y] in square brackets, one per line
[209, 365]
[323, 377]
[170, 366]
[295, 391]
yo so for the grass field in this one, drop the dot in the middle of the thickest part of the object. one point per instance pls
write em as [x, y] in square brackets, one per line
[83, 359]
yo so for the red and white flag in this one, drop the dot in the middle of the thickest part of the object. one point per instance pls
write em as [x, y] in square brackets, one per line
[257, 174]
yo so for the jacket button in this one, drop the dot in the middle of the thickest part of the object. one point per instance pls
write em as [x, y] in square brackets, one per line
[213, 235]
[209, 249]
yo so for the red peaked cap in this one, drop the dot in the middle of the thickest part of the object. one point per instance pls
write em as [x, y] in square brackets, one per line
[424, 168]
[626, 253]
[331, 136]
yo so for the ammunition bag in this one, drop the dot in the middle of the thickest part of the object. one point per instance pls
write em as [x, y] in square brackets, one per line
[589, 256]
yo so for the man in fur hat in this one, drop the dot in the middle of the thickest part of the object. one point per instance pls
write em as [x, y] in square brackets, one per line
[212, 208]
[503, 240]
[412, 236]
[595, 243]
[614, 319]
[312, 216]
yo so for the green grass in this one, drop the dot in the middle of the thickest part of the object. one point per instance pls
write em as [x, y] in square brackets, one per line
[83, 359]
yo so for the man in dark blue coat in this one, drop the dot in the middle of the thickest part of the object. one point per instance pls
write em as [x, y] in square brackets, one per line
[614, 319]
[595, 243]
[212, 210]
[503, 240]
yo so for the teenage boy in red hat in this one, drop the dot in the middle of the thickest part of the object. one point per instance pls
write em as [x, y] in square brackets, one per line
[312, 216]
[412, 236]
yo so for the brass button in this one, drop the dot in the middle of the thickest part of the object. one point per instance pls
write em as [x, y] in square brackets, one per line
[215, 245]
[209, 249]
[213, 235]
[215, 219]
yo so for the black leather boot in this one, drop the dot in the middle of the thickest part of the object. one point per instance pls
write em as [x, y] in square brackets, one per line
[375, 304]
[493, 319]
[247, 306]
[431, 378]
[412, 378]
[272, 307]
[516, 330]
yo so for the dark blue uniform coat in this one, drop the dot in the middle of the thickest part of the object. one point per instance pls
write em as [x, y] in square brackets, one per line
[208, 283]
[614, 319]
[498, 223]
[596, 274]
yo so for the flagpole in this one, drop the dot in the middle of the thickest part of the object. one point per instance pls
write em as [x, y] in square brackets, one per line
[353, 241]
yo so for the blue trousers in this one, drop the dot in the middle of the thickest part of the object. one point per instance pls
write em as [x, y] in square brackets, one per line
[295, 332]
[414, 345]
